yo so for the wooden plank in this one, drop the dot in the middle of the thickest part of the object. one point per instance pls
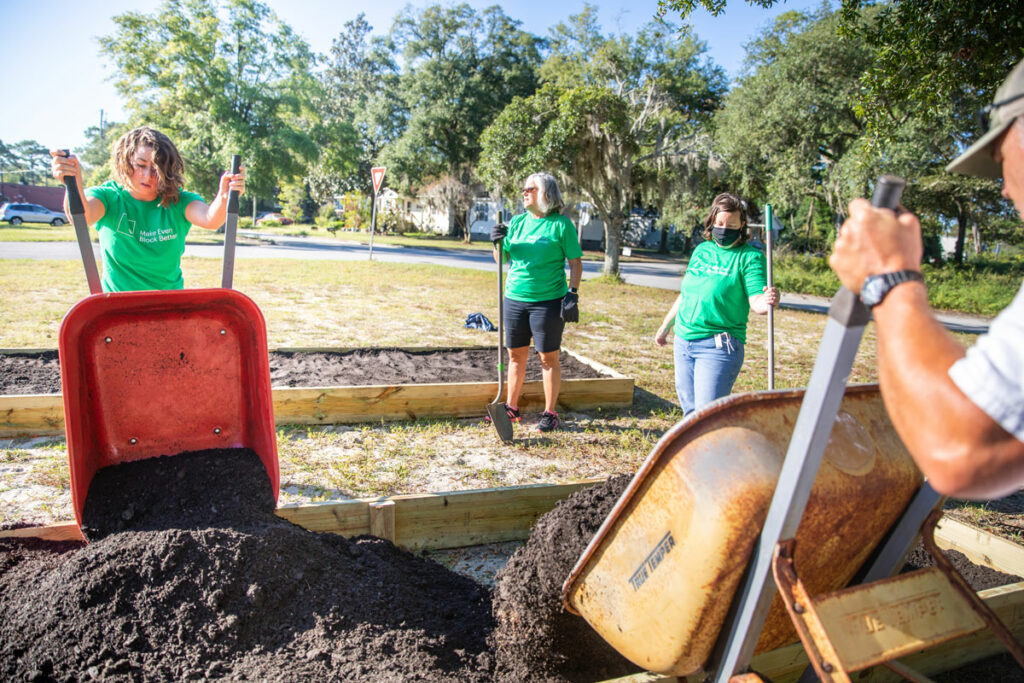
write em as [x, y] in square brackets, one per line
[340, 405]
[980, 547]
[43, 414]
[442, 520]
[452, 520]
[382, 519]
[31, 415]
[61, 531]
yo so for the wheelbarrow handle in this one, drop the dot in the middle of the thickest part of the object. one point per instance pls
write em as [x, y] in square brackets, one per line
[77, 208]
[847, 308]
[231, 229]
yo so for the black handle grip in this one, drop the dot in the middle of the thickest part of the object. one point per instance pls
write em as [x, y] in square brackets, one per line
[74, 199]
[847, 308]
[236, 162]
[888, 191]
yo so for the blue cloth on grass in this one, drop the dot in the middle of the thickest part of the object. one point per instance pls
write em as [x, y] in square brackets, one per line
[478, 321]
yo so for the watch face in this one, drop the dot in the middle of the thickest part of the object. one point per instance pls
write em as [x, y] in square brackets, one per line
[872, 291]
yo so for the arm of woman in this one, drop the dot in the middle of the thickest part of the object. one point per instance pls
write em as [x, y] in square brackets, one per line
[662, 335]
[211, 216]
[759, 303]
[575, 272]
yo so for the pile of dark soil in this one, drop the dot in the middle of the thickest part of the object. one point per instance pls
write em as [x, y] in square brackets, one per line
[536, 639]
[39, 373]
[190, 576]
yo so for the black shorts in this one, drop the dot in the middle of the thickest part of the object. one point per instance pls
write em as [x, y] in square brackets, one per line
[541, 320]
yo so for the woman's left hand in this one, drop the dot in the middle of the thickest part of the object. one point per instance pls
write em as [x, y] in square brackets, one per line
[772, 296]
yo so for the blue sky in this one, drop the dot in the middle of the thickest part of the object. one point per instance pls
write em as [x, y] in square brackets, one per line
[57, 82]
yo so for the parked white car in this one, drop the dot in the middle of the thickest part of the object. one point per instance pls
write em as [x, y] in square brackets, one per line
[18, 213]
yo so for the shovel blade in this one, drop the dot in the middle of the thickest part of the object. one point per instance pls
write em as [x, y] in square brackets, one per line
[500, 420]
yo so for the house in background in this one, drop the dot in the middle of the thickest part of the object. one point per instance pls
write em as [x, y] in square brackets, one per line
[50, 197]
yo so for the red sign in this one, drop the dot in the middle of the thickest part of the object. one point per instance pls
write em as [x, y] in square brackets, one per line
[378, 177]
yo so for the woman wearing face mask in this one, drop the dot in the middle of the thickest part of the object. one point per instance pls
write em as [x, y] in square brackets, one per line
[724, 280]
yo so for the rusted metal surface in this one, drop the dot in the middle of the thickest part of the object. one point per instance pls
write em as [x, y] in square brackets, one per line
[800, 606]
[708, 484]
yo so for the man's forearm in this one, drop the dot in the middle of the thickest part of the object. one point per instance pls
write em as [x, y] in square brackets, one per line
[958, 447]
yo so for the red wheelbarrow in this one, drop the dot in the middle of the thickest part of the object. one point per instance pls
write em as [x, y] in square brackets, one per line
[154, 373]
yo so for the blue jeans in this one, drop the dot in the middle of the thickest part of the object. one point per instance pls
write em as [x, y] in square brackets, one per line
[706, 370]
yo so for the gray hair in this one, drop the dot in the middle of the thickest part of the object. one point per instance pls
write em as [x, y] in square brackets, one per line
[549, 197]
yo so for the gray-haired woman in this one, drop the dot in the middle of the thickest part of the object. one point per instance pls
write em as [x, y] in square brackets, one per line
[537, 243]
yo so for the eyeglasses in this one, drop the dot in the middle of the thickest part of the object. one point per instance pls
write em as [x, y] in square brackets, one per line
[528, 190]
[983, 113]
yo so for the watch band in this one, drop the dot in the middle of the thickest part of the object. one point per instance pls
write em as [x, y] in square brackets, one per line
[878, 286]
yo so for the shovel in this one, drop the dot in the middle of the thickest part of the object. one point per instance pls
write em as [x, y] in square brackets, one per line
[496, 409]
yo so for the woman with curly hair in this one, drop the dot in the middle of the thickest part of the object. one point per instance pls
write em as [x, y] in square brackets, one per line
[144, 215]
[724, 281]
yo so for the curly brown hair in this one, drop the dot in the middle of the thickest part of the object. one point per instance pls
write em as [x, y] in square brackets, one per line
[170, 169]
[727, 201]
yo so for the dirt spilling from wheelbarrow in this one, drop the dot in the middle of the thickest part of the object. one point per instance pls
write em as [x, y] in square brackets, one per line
[536, 639]
[39, 372]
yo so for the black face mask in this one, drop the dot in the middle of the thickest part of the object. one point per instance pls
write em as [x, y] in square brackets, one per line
[726, 237]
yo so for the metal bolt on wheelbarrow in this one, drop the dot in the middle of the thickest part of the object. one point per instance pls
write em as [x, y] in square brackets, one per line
[154, 373]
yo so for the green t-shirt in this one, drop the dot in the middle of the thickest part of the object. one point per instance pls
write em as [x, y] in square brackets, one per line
[142, 242]
[715, 291]
[537, 249]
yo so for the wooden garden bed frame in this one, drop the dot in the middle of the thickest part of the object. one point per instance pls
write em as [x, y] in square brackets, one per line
[475, 517]
[27, 415]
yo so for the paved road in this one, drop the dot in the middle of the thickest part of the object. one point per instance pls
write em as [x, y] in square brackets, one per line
[663, 275]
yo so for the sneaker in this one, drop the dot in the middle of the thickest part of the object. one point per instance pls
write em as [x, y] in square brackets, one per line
[513, 414]
[548, 422]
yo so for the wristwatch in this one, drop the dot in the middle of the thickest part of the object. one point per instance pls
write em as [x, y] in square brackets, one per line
[875, 287]
[574, 290]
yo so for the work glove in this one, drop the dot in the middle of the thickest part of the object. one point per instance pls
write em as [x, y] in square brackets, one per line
[498, 232]
[570, 307]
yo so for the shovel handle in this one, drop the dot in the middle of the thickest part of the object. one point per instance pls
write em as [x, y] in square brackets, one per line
[501, 324]
[888, 192]
[77, 209]
[847, 308]
[230, 229]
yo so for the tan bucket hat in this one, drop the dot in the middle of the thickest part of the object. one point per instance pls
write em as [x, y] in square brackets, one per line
[1005, 108]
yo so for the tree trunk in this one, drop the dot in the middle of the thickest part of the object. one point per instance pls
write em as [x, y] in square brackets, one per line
[810, 216]
[976, 236]
[612, 244]
[961, 234]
